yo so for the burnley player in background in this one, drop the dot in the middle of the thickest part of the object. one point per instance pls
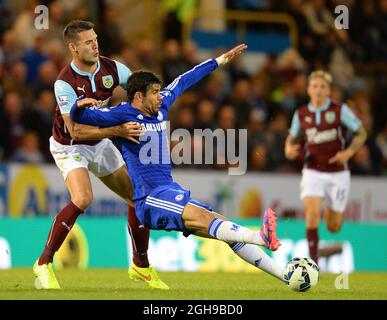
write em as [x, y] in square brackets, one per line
[323, 125]
[78, 149]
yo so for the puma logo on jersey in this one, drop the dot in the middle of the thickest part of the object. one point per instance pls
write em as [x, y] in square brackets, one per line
[81, 89]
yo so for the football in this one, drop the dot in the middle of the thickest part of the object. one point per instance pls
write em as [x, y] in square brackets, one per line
[301, 274]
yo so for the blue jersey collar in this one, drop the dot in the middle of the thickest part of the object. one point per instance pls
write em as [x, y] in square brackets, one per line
[312, 108]
[87, 74]
[83, 73]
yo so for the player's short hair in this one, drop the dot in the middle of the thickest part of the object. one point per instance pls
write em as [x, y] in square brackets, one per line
[70, 32]
[140, 81]
[321, 75]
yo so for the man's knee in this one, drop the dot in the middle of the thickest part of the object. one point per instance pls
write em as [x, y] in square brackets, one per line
[83, 200]
[199, 219]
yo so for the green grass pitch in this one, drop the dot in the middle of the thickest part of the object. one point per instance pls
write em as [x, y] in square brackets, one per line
[95, 284]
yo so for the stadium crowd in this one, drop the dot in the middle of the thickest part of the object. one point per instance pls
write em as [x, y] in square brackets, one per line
[262, 101]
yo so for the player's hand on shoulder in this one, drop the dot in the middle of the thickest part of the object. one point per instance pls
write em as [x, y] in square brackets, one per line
[130, 131]
[226, 57]
[87, 102]
[292, 151]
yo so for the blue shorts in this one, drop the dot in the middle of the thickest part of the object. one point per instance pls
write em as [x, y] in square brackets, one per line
[163, 207]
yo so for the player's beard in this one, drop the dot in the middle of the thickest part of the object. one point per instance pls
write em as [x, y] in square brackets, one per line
[89, 62]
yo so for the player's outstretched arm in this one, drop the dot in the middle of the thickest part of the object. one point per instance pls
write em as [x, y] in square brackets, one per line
[231, 54]
[189, 78]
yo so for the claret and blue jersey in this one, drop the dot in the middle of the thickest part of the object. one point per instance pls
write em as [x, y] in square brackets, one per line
[148, 163]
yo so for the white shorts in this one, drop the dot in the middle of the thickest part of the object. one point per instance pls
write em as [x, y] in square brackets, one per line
[332, 186]
[101, 159]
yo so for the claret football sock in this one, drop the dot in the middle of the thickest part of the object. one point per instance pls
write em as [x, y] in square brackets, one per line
[140, 239]
[232, 232]
[258, 258]
[61, 226]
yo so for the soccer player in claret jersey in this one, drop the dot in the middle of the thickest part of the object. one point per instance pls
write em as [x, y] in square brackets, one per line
[78, 149]
[161, 203]
[323, 125]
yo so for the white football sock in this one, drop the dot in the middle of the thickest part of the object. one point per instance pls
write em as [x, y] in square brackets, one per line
[258, 258]
[232, 232]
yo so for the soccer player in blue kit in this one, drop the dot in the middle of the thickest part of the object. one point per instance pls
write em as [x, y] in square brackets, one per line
[161, 203]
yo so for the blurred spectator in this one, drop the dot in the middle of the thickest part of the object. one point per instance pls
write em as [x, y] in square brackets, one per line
[56, 53]
[242, 100]
[205, 114]
[5, 16]
[190, 54]
[128, 56]
[81, 12]
[16, 80]
[33, 58]
[290, 63]
[28, 151]
[259, 89]
[47, 76]
[172, 64]
[321, 20]
[275, 138]
[146, 56]
[184, 119]
[256, 129]
[364, 30]
[11, 124]
[109, 33]
[226, 117]
[40, 118]
[23, 28]
[56, 21]
[8, 50]
[321, 23]
[213, 88]
[306, 43]
[285, 97]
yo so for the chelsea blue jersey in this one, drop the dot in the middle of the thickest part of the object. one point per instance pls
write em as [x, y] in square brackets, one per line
[148, 163]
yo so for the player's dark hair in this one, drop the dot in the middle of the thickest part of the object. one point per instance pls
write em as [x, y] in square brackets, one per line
[70, 32]
[140, 81]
